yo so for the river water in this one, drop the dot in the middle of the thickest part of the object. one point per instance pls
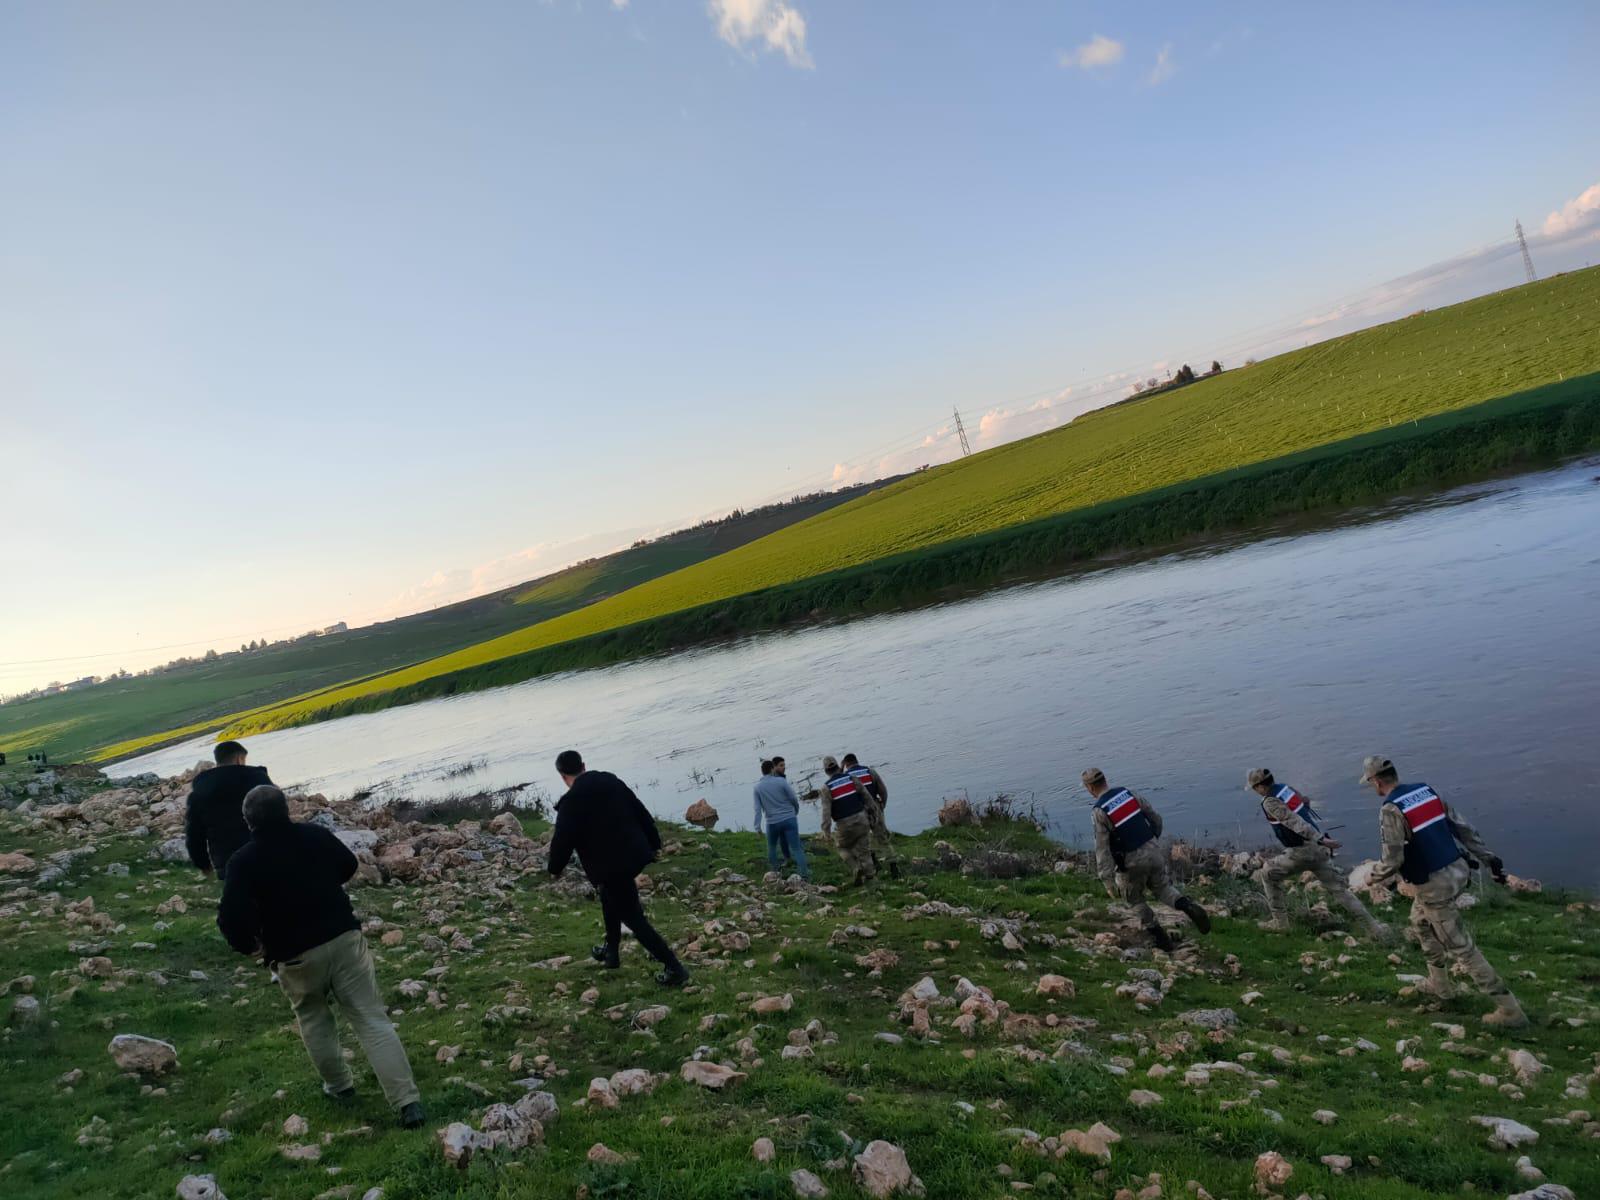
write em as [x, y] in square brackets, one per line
[1459, 635]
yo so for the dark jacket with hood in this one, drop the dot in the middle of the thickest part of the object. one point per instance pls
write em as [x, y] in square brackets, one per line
[606, 825]
[213, 826]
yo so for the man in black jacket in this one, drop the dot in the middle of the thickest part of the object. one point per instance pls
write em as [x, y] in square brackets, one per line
[604, 823]
[213, 825]
[283, 897]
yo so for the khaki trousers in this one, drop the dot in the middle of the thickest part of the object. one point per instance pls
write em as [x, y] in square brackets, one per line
[1317, 860]
[1145, 870]
[1437, 924]
[853, 836]
[342, 970]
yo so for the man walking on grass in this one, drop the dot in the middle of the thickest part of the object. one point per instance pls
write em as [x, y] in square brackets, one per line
[1423, 838]
[601, 821]
[1129, 858]
[878, 791]
[776, 801]
[283, 898]
[1298, 828]
[846, 804]
[213, 822]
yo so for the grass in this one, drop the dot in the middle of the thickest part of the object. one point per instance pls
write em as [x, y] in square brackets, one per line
[204, 696]
[1370, 385]
[1408, 1132]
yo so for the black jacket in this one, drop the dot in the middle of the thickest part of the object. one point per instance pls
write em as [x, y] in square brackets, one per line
[213, 826]
[604, 823]
[285, 891]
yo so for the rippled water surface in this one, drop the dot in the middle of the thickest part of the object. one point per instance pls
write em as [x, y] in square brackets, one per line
[1460, 636]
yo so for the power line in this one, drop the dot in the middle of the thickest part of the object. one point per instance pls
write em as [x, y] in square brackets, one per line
[1527, 259]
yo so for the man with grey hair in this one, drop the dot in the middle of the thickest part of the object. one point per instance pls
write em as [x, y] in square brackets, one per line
[283, 898]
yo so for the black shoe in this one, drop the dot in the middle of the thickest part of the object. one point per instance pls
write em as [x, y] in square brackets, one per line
[674, 976]
[344, 1094]
[1161, 938]
[894, 870]
[609, 957]
[412, 1115]
[1199, 916]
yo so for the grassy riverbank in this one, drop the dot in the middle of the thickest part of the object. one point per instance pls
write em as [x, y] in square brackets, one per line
[1341, 422]
[1319, 1028]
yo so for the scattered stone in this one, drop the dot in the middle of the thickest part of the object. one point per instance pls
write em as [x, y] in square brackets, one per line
[1526, 1170]
[1272, 1172]
[1055, 986]
[762, 1150]
[710, 1074]
[146, 1055]
[1142, 1098]
[1209, 1018]
[296, 1126]
[882, 1170]
[199, 1187]
[1506, 1134]
[1546, 1191]
[702, 814]
[1324, 1116]
[767, 1006]
[301, 1153]
[807, 1185]
[600, 1152]
[1337, 1163]
[25, 1011]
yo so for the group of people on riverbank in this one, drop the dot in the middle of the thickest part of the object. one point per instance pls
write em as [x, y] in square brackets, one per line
[284, 899]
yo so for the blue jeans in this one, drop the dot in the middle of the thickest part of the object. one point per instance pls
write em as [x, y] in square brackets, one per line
[784, 836]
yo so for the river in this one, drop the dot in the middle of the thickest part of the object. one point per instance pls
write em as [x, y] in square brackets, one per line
[1459, 635]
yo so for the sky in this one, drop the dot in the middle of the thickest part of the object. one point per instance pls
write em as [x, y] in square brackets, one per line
[316, 312]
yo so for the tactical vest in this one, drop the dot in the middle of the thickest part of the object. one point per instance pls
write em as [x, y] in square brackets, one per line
[1432, 844]
[864, 774]
[846, 800]
[1130, 828]
[1300, 807]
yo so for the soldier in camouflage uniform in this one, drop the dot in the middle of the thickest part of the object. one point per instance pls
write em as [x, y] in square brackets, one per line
[849, 807]
[1129, 858]
[1297, 826]
[1423, 839]
[878, 790]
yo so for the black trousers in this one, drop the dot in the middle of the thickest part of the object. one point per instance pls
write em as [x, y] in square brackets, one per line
[619, 905]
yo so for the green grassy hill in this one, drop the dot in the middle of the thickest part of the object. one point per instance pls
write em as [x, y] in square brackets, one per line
[203, 695]
[1376, 381]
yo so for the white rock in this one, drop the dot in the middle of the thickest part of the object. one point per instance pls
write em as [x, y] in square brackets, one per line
[1143, 1098]
[148, 1056]
[1506, 1134]
[709, 1074]
[762, 1150]
[807, 1185]
[199, 1187]
[1324, 1116]
[882, 1170]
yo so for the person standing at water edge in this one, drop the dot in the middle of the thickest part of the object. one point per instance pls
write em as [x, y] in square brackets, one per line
[1129, 858]
[601, 821]
[1305, 848]
[213, 823]
[1422, 839]
[845, 803]
[878, 791]
[283, 897]
[776, 801]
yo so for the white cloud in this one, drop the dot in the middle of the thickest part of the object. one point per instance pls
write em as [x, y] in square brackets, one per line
[619, 4]
[1164, 68]
[1098, 51]
[1575, 214]
[775, 24]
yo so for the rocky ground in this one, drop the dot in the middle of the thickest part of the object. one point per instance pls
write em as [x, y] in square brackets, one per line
[987, 1025]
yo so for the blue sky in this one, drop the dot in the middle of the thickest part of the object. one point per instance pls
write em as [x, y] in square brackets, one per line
[331, 312]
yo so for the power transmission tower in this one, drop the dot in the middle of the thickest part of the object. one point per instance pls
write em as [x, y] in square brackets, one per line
[961, 432]
[1527, 260]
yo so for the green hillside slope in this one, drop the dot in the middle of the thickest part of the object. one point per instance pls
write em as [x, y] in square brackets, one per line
[1423, 365]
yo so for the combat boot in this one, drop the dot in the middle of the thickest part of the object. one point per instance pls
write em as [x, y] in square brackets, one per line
[1198, 916]
[1162, 940]
[607, 955]
[1437, 985]
[1507, 1013]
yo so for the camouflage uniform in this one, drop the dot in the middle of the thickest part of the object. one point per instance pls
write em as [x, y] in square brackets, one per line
[1309, 857]
[1145, 869]
[853, 834]
[882, 843]
[1435, 916]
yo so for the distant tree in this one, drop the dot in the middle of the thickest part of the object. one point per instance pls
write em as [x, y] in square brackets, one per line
[1151, 382]
[212, 656]
[1138, 387]
[1216, 367]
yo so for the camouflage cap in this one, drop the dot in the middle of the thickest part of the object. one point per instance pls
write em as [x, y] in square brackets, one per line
[830, 763]
[1093, 777]
[1371, 765]
[1257, 776]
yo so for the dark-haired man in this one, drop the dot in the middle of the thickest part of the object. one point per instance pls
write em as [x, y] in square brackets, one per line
[601, 821]
[777, 803]
[1129, 858]
[283, 898]
[1422, 839]
[213, 826]
[1298, 828]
